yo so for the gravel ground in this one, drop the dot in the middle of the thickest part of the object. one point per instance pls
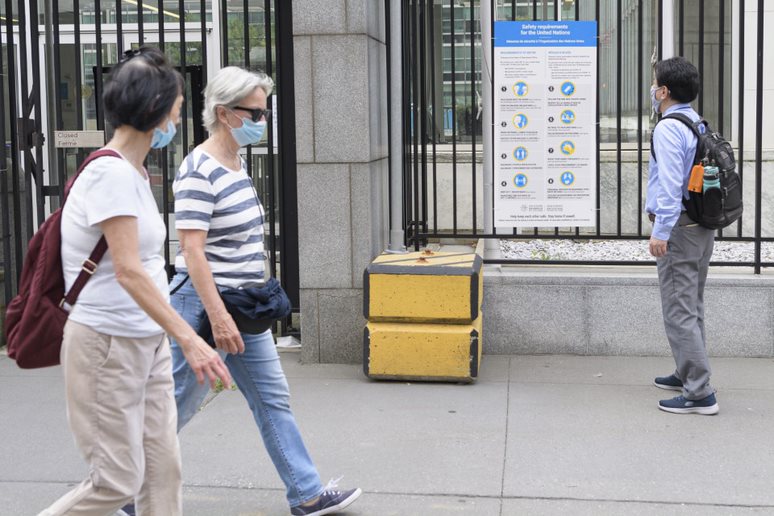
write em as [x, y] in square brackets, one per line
[618, 250]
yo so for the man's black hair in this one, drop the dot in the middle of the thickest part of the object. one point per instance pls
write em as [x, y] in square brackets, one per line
[680, 77]
[141, 90]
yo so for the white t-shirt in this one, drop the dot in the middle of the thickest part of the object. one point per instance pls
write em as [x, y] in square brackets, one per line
[111, 187]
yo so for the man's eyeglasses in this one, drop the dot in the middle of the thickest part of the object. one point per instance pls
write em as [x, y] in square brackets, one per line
[256, 114]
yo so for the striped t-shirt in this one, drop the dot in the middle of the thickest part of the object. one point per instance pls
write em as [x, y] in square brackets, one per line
[223, 202]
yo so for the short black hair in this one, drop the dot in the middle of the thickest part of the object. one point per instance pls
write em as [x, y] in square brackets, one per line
[680, 77]
[141, 90]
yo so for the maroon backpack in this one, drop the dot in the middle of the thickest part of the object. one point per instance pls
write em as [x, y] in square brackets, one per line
[35, 319]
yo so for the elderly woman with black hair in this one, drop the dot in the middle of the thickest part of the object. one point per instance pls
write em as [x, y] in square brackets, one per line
[115, 354]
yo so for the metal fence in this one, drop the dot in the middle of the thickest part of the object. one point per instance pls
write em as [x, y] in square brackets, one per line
[54, 66]
[442, 135]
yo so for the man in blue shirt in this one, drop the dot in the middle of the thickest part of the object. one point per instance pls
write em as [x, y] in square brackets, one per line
[682, 248]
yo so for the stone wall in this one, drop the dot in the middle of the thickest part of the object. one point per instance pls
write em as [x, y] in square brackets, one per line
[341, 126]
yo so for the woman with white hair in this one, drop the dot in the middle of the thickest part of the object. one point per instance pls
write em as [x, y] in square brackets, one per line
[219, 220]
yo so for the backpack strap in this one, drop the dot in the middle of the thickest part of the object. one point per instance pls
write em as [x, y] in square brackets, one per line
[88, 269]
[90, 265]
[685, 120]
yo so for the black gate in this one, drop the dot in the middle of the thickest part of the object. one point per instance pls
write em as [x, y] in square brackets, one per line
[442, 103]
[54, 65]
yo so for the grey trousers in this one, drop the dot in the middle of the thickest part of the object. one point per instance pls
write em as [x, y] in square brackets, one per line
[682, 274]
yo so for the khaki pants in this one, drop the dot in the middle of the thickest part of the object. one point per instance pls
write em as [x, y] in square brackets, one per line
[121, 410]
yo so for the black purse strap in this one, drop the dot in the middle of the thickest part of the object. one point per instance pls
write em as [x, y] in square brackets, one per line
[174, 290]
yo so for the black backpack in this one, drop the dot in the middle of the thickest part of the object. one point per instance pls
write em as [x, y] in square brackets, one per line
[716, 208]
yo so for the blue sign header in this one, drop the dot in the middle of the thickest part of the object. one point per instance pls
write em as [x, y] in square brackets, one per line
[545, 34]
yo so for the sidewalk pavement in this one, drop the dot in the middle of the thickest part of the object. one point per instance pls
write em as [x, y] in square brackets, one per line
[536, 435]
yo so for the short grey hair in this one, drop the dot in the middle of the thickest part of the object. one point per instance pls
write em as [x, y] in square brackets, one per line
[229, 86]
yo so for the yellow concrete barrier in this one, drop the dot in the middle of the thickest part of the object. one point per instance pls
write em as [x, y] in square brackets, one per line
[433, 287]
[426, 352]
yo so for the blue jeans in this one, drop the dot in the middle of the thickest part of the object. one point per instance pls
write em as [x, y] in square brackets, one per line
[259, 376]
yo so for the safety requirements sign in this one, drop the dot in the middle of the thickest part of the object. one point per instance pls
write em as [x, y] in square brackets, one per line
[545, 138]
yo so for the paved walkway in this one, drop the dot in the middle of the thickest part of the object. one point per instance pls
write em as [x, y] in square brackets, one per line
[536, 435]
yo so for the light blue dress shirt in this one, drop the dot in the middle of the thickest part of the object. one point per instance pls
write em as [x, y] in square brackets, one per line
[675, 149]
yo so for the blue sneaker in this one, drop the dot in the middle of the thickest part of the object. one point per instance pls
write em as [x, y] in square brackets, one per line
[670, 383]
[331, 500]
[679, 405]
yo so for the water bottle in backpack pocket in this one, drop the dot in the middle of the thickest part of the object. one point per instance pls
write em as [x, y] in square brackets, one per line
[711, 195]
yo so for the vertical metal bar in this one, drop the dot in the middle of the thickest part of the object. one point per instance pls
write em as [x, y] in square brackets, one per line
[721, 64]
[390, 110]
[599, 182]
[246, 58]
[5, 212]
[759, 139]
[513, 10]
[660, 31]
[640, 82]
[26, 108]
[78, 65]
[246, 33]
[534, 18]
[434, 104]
[556, 18]
[740, 128]
[40, 198]
[270, 136]
[618, 107]
[406, 76]
[473, 105]
[140, 23]
[423, 101]
[203, 35]
[183, 69]
[701, 56]
[286, 125]
[14, 98]
[98, 72]
[577, 17]
[416, 114]
[162, 43]
[165, 172]
[58, 122]
[224, 57]
[164, 153]
[452, 8]
[681, 28]
[119, 29]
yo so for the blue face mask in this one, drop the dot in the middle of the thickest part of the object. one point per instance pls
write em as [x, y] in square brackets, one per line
[250, 133]
[162, 138]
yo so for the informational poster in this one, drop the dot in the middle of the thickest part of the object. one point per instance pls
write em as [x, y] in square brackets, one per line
[545, 138]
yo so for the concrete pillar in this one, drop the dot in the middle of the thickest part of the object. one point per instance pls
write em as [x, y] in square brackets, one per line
[341, 126]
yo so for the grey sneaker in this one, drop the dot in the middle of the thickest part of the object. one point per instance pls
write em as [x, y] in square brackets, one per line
[331, 500]
[670, 383]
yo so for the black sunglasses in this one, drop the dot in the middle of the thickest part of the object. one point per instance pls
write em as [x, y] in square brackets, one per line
[255, 113]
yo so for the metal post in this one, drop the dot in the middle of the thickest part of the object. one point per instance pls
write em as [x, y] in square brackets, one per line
[488, 16]
[396, 133]
[667, 32]
[52, 88]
